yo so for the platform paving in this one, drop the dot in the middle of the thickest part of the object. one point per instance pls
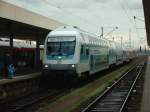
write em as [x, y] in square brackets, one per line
[146, 93]
[19, 78]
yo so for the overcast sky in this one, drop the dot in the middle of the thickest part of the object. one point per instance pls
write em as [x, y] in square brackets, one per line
[90, 15]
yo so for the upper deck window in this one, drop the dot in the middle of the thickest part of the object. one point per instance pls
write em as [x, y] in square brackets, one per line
[60, 38]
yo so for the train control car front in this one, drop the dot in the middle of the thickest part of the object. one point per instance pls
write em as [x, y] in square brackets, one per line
[60, 52]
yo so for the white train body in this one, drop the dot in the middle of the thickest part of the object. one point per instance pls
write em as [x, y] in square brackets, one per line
[72, 51]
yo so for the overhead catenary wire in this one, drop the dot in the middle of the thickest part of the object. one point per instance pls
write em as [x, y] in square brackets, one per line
[70, 13]
[140, 18]
[125, 11]
[129, 12]
[138, 31]
[128, 17]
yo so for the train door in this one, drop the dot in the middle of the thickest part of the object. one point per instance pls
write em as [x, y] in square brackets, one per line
[84, 58]
[91, 60]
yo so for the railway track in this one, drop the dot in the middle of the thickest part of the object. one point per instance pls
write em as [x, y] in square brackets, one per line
[30, 100]
[33, 100]
[115, 98]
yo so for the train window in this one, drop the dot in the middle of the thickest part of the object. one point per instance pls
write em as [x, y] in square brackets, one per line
[87, 51]
[82, 52]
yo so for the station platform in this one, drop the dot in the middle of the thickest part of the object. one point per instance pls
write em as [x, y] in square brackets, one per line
[20, 78]
[145, 107]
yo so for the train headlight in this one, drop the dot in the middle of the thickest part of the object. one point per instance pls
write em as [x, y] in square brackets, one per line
[72, 66]
[59, 57]
[46, 66]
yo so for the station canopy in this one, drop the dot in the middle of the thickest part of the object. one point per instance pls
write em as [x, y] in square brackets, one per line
[24, 24]
[147, 18]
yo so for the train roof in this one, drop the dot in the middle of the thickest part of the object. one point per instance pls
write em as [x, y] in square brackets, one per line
[64, 31]
[73, 30]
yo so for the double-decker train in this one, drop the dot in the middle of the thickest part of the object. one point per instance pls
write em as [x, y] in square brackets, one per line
[72, 51]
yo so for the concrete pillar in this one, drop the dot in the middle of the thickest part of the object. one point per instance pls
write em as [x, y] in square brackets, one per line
[9, 27]
[37, 53]
[11, 47]
[8, 56]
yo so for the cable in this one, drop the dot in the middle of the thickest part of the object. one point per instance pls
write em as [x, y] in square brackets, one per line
[125, 11]
[140, 18]
[135, 17]
[128, 7]
[134, 22]
[83, 19]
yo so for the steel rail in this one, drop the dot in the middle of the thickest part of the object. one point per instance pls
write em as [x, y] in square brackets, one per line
[88, 107]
